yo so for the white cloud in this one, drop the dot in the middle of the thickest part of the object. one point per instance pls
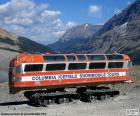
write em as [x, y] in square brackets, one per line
[48, 13]
[3, 7]
[94, 9]
[35, 21]
[58, 33]
[117, 11]
[71, 24]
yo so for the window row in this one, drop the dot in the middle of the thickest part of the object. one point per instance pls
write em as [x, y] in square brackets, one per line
[81, 57]
[71, 66]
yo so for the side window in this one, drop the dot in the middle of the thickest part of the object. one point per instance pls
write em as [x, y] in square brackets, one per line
[53, 67]
[114, 57]
[96, 57]
[115, 65]
[100, 65]
[54, 58]
[33, 67]
[81, 57]
[71, 57]
[77, 66]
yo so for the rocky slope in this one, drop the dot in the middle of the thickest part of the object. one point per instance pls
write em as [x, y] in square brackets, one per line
[74, 37]
[11, 45]
[14, 42]
[120, 34]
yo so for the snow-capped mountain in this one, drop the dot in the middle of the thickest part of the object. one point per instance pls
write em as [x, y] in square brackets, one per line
[74, 38]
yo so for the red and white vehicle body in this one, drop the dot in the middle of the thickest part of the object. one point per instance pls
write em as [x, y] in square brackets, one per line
[35, 71]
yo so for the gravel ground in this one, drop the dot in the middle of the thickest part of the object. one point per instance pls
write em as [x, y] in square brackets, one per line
[129, 99]
[5, 57]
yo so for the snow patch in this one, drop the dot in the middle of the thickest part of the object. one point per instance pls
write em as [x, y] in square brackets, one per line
[86, 25]
[121, 30]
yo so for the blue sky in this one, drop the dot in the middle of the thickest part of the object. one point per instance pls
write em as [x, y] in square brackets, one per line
[77, 10]
[45, 21]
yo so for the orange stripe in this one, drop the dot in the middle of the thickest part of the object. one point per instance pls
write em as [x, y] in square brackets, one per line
[34, 58]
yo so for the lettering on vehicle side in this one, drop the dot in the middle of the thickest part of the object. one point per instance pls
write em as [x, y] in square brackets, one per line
[75, 76]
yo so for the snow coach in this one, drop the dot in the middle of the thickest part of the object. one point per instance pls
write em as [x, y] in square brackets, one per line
[47, 78]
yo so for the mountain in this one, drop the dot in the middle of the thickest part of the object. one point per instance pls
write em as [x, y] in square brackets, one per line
[74, 37]
[10, 45]
[130, 13]
[120, 34]
[14, 42]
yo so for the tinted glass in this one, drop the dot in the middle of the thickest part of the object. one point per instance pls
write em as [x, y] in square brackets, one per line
[115, 65]
[71, 57]
[76, 66]
[18, 69]
[52, 67]
[129, 64]
[96, 57]
[81, 57]
[54, 58]
[114, 57]
[33, 67]
[97, 65]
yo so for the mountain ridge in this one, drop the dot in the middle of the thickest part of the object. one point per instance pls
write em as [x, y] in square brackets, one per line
[126, 15]
[11, 41]
[119, 34]
[72, 37]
